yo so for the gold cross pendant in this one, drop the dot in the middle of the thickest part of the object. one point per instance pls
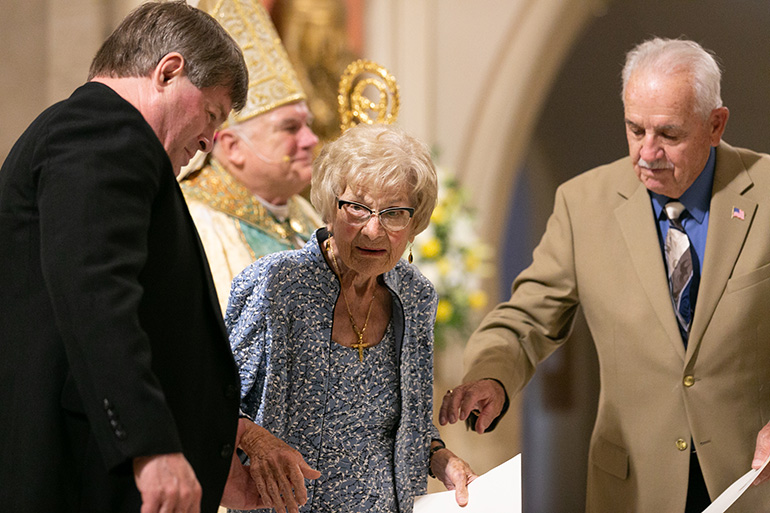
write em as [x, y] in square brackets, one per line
[360, 346]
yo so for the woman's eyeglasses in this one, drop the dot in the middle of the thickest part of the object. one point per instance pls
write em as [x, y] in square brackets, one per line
[393, 219]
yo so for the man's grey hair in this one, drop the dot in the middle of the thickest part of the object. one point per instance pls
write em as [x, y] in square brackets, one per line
[672, 56]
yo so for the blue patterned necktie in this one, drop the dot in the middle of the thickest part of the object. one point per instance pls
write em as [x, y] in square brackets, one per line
[680, 261]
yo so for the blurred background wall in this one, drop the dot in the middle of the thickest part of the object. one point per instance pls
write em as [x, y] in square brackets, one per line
[516, 96]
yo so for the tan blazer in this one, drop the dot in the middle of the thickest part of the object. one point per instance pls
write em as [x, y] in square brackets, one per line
[601, 251]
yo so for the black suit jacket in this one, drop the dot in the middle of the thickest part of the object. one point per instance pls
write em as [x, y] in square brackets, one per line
[111, 339]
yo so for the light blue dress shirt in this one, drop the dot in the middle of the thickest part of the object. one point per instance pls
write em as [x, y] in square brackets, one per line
[696, 201]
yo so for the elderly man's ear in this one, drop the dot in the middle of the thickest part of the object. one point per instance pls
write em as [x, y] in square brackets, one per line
[229, 148]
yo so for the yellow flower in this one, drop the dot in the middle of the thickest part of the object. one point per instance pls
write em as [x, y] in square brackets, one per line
[452, 197]
[472, 261]
[431, 248]
[444, 311]
[444, 267]
[439, 214]
[477, 299]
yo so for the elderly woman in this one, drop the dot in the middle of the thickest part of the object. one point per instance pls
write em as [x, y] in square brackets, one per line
[334, 341]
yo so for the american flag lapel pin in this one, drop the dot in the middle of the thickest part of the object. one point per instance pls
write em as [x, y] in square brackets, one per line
[737, 214]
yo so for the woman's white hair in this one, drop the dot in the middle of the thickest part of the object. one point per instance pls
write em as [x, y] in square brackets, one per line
[672, 56]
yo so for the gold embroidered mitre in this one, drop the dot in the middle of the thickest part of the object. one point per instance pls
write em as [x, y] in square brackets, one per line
[368, 93]
[272, 79]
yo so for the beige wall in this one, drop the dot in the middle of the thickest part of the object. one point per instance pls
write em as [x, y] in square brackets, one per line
[24, 67]
[473, 76]
[48, 46]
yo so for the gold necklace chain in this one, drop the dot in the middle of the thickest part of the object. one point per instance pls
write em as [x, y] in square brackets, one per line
[360, 345]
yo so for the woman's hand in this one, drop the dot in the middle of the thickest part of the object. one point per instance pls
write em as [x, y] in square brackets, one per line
[278, 470]
[761, 454]
[454, 472]
[240, 490]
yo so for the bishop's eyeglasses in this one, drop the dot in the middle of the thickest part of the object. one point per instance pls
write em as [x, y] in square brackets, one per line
[393, 219]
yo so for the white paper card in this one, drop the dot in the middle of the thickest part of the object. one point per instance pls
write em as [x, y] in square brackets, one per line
[498, 490]
[735, 490]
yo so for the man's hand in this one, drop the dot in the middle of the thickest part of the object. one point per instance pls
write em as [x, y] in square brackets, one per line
[455, 473]
[167, 482]
[277, 469]
[761, 454]
[486, 397]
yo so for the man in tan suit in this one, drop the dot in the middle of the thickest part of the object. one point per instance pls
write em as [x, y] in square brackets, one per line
[685, 397]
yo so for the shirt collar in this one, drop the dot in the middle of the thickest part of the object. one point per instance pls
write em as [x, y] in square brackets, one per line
[697, 197]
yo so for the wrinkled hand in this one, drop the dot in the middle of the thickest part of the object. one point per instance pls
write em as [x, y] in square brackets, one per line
[240, 490]
[761, 454]
[277, 469]
[454, 472]
[167, 482]
[486, 397]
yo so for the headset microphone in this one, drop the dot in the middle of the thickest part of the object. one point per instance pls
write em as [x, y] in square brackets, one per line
[283, 160]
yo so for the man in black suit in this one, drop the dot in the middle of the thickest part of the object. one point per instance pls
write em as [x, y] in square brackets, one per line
[117, 385]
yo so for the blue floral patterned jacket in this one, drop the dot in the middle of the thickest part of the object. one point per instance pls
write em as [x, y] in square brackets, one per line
[287, 299]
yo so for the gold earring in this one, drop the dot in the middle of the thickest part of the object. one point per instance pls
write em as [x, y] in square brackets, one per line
[411, 258]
